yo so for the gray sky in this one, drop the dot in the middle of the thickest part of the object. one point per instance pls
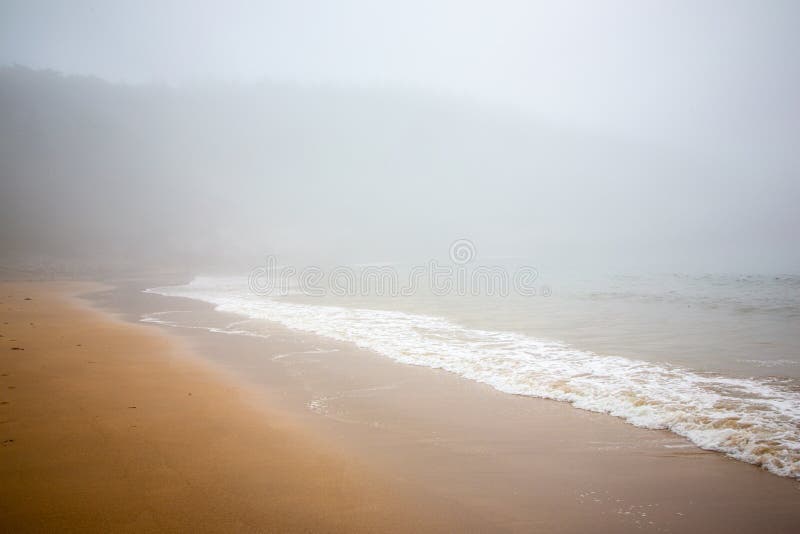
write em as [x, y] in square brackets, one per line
[711, 76]
[659, 135]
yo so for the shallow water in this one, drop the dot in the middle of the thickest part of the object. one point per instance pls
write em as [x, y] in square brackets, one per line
[712, 358]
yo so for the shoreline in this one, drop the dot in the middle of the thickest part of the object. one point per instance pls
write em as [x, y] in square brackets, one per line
[108, 426]
[753, 420]
[523, 463]
[436, 451]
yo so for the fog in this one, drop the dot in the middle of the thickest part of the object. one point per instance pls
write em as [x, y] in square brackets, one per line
[582, 135]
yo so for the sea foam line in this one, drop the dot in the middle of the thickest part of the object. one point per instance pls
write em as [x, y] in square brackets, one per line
[752, 420]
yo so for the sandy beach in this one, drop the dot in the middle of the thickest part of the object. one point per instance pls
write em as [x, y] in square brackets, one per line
[516, 267]
[110, 427]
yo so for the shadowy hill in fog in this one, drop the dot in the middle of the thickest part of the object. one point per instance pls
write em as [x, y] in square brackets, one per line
[217, 175]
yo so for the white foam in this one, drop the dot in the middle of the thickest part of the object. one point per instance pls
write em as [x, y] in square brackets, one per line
[154, 318]
[313, 351]
[756, 421]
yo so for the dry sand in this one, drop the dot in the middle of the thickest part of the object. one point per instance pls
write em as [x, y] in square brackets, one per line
[107, 426]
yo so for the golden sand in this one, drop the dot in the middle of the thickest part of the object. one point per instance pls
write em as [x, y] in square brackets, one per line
[107, 426]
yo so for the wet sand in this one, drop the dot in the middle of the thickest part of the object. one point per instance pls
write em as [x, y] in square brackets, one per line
[521, 464]
[113, 427]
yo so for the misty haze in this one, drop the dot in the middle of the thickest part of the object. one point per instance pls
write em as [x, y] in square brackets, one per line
[350, 253]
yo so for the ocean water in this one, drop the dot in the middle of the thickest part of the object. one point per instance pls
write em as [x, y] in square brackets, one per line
[713, 358]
